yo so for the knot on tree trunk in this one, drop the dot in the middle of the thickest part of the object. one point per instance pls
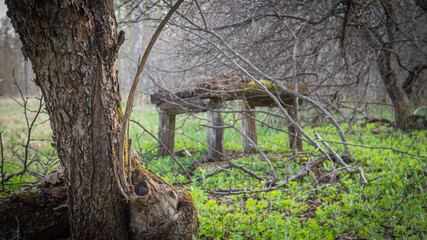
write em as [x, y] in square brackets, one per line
[157, 209]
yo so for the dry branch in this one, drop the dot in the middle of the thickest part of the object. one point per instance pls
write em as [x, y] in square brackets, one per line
[342, 163]
[129, 103]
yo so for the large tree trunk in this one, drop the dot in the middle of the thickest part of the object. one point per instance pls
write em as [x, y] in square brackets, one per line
[73, 46]
[394, 89]
[396, 93]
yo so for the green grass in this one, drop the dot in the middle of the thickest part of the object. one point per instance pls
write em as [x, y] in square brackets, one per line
[14, 130]
[394, 203]
[345, 209]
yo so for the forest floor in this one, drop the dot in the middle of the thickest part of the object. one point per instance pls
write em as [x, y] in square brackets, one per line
[393, 205]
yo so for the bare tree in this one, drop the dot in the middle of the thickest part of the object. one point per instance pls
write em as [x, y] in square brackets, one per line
[357, 51]
[12, 64]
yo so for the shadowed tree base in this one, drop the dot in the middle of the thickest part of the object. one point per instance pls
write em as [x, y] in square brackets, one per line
[43, 213]
[33, 214]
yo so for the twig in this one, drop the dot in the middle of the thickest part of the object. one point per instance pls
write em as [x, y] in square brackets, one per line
[192, 158]
[29, 125]
[403, 199]
[304, 171]
[341, 162]
[121, 181]
[419, 109]
[26, 162]
[260, 151]
[244, 192]
[383, 147]
[294, 73]
[2, 161]
[167, 149]
[218, 170]
[202, 15]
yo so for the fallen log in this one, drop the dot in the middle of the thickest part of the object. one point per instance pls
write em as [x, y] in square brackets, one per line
[40, 213]
[34, 214]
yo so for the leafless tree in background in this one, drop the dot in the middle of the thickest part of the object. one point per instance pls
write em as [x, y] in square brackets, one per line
[12, 62]
[352, 51]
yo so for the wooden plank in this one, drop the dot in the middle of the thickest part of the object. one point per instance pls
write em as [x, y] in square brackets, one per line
[249, 128]
[257, 96]
[166, 134]
[294, 140]
[188, 105]
[215, 136]
[228, 88]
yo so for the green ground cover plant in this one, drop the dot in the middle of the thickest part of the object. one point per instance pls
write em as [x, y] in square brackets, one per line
[392, 206]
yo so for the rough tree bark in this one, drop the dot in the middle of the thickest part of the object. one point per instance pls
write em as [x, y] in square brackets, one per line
[73, 47]
[391, 82]
[396, 93]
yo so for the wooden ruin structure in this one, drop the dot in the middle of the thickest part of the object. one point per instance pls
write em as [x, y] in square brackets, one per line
[209, 96]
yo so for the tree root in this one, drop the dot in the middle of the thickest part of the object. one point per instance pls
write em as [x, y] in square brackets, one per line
[184, 215]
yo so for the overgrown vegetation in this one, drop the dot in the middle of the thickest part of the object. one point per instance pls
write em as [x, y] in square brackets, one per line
[392, 205]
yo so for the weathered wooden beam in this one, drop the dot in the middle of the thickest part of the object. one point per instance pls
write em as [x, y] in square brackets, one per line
[227, 88]
[215, 136]
[294, 140]
[188, 105]
[256, 96]
[249, 128]
[166, 134]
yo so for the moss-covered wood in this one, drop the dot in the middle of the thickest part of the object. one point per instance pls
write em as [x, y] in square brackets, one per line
[209, 95]
[224, 88]
[33, 214]
[159, 210]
